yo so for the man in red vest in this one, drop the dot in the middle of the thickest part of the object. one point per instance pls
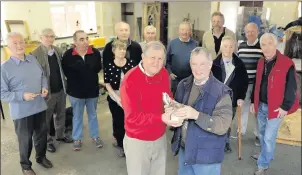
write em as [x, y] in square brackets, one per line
[275, 96]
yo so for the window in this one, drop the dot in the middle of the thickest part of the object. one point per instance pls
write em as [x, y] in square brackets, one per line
[3, 26]
[67, 17]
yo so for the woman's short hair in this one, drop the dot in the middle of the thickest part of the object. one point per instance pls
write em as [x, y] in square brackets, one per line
[118, 44]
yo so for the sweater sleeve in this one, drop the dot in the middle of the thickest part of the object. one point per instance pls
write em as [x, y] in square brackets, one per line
[134, 115]
[221, 119]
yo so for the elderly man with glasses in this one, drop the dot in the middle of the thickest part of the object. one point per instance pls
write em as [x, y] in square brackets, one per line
[50, 57]
[24, 87]
[142, 88]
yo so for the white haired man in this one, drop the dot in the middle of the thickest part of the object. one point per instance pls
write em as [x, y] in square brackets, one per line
[149, 35]
[275, 96]
[50, 57]
[207, 116]
[145, 143]
[24, 87]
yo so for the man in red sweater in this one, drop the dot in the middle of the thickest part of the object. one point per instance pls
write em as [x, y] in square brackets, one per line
[142, 88]
[275, 96]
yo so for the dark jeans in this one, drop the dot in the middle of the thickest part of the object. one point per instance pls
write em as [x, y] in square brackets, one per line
[229, 131]
[117, 121]
[29, 129]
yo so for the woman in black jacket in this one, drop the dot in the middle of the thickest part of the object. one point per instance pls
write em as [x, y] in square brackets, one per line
[230, 70]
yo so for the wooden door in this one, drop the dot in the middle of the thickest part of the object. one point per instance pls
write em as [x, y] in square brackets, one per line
[151, 16]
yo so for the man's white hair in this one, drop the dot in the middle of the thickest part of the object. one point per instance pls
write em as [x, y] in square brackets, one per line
[155, 45]
[46, 31]
[269, 36]
[117, 25]
[149, 27]
[202, 51]
[185, 23]
[13, 34]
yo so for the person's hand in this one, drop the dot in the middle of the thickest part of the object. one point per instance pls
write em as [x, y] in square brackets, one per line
[28, 96]
[44, 92]
[166, 118]
[252, 108]
[168, 109]
[186, 112]
[281, 112]
[240, 102]
[173, 76]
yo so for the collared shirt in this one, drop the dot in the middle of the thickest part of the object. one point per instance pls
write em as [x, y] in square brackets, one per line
[253, 44]
[51, 51]
[18, 77]
[184, 41]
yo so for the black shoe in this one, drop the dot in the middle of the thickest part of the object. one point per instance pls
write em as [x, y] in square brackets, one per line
[45, 163]
[51, 148]
[227, 148]
[65, 139]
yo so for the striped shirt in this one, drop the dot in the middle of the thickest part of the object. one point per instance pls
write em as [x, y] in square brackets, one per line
[250, 54]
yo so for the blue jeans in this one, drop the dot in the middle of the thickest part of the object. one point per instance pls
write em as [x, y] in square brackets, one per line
[197, 169]
[78, 111]
[268, 130]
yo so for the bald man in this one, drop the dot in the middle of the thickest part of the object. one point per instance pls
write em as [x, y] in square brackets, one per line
[133, 52]
[149, 35]
[250, 52]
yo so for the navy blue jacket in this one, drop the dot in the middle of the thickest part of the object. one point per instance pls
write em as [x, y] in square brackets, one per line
[201, 146]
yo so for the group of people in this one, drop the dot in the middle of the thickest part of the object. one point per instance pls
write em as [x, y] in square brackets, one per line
[205, 85]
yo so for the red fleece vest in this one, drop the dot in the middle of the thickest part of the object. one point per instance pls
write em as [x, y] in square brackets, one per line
[276, 85]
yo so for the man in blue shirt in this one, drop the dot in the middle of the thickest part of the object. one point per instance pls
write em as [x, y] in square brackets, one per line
[178, 55]
[24, 87]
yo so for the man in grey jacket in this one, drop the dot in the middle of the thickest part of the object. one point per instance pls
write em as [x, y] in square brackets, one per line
[50, 58]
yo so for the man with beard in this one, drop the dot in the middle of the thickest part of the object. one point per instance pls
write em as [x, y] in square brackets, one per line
[212, 38]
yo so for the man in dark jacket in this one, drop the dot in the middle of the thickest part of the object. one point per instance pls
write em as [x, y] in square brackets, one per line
[230, 70]
[81, 66]
[275, 96]
[207, 115]
[50, 57]
[134, 50]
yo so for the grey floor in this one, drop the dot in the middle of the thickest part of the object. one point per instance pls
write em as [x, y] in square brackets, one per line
[93, 161]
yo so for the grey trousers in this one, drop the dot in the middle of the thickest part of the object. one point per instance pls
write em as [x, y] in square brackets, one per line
[56, 109]
[146, 157]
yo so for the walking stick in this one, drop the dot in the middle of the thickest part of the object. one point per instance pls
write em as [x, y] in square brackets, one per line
[239, 132]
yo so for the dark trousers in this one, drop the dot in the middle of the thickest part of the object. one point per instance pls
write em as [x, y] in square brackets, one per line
[29, 129]
[52, 130]
[117, 121]
[229, 131]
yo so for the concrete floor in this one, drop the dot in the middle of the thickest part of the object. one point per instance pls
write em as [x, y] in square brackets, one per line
[93, 161]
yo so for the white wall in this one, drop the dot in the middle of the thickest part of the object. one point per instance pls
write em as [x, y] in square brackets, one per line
[37, 15]
[282, 13]
[199, 11]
